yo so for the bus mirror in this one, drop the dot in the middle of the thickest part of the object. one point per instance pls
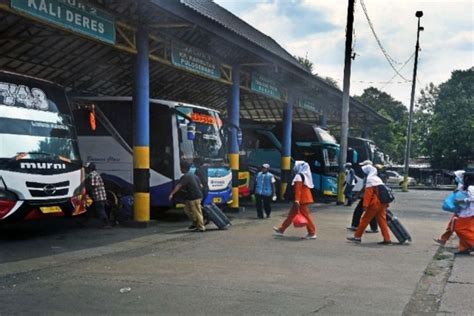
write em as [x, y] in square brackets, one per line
[92, 120]
[191, 131]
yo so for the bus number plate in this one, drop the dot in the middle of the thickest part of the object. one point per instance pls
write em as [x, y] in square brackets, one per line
[50, 209]
[217, 200]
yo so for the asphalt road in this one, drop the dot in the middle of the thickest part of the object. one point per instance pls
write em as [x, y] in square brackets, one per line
[59, 268]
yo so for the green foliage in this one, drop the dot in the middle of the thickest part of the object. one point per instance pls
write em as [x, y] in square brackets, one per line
[450, 136]
[305, 62]
[423, 120]
[390, 139]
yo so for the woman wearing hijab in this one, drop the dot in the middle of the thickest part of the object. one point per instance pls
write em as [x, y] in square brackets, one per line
[373, 207]
[459, 176]
[464, 222]
[303, 184]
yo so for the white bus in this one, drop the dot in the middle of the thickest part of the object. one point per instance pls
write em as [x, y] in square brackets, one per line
[110, 145]
[40, 167]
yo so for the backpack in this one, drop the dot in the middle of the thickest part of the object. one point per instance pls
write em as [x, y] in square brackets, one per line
[385, 194]
[290, 191]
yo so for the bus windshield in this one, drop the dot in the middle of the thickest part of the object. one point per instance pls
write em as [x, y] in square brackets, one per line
[208, 141]
[35, 120]
[319, 156]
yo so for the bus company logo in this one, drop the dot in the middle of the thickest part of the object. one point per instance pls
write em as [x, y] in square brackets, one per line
[42, 165]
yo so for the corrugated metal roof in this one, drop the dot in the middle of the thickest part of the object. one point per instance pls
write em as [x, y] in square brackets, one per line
[231, 22]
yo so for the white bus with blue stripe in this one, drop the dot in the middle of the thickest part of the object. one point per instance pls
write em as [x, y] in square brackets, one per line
[178, 131]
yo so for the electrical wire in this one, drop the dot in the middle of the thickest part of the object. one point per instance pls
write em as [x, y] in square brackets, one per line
[389, 59]
[394, 76]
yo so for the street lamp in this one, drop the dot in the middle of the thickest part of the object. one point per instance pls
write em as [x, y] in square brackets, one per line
[418, 14]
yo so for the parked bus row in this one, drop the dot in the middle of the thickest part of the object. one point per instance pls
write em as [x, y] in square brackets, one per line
[44, 135]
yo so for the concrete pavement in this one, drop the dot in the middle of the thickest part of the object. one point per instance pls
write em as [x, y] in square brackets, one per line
[244, 271]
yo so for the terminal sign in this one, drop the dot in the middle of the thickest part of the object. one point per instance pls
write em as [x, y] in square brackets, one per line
[265, 85]
[73, 15]
[307, 105]
[194, 60]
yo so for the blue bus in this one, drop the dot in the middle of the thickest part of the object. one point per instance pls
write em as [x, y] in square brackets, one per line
[312, 143]
[178, 131]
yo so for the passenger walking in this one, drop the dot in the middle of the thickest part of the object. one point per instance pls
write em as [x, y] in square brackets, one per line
[359, 210]
[303, 184]
[190, 186]
[96, 189]
[350, 182]
[459, 176]
[464, 222]
[264, 191]
[202, 173]
[373, 207]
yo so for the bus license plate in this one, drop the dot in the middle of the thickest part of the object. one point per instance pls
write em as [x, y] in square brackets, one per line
[217, 200]
[50, 209]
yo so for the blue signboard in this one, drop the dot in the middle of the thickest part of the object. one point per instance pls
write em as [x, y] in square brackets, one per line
[73, 15]
[308, 105]
[265, 85]
[194, 60]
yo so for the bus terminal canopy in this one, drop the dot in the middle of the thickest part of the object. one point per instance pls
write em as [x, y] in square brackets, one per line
[89, 47]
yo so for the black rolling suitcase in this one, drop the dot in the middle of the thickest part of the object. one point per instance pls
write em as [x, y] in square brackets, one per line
[215, 215]
[398, 230]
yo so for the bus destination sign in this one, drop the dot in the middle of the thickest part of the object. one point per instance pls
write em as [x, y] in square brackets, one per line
[74, 15]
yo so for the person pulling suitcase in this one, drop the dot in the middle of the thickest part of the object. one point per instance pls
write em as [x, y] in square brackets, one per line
[190, 186]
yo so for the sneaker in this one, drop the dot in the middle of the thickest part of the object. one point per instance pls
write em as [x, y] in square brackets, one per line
[464, 253]
[199, 230]
[309, 237]
[352, 228]
[440, 242]
[277, 231]
[354, 240]
[268, 216]
[192, 226]
[385, 242]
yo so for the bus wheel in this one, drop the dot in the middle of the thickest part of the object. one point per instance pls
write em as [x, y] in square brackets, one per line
[113, 203]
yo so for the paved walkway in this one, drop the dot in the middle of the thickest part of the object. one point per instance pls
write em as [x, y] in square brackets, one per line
[167, 270]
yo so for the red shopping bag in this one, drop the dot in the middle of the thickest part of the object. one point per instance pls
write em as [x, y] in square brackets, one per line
[299, 220]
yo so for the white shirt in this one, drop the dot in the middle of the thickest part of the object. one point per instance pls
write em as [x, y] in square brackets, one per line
[469, 211]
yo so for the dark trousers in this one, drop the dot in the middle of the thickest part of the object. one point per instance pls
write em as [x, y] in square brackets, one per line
[99, 209]
[267, 205]
[358, 214]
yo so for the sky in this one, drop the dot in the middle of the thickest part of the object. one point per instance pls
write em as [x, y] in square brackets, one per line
[316, 29]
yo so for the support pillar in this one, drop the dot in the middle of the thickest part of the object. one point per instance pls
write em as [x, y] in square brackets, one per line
[141, 144]
[323, 121]
[234, 150]
[286, 147]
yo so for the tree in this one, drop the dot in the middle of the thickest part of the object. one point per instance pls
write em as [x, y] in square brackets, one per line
[423, 120]
[305, 62]
[391, 138]
[451, 134]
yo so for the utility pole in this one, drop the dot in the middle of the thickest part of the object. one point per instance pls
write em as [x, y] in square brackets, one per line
[345, 102]
[418, 14]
